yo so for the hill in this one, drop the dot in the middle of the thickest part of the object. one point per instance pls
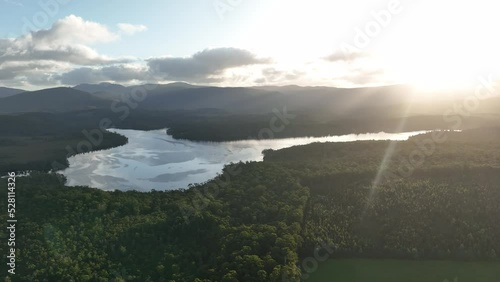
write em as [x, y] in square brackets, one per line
[101, 87]
[7, 92]
[51, 100]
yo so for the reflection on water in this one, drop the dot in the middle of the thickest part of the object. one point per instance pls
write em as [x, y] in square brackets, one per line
[154, 160]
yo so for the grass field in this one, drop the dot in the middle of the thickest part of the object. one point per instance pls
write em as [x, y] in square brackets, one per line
[360, 270]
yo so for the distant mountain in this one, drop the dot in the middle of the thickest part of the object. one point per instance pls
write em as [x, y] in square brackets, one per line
[51, 100]
[7, 92]
[231, 99]
[321, 103]
[101, 87]
[324, 101]
[111, 91]
[174, 86]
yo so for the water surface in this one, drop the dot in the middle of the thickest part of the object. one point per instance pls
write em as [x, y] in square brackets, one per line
[155, 160]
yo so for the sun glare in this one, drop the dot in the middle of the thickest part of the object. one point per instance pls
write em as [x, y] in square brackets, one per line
[434, 52]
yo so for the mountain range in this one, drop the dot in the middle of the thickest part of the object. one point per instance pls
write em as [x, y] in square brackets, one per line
[7, 92]
[325, 102]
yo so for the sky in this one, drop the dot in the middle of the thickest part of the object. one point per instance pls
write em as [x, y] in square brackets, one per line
[431, 44]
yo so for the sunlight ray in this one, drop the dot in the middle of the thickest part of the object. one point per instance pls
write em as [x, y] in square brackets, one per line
[388, 154]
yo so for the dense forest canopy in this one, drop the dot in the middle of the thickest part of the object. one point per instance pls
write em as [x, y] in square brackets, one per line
[432, 197]
[257, 221]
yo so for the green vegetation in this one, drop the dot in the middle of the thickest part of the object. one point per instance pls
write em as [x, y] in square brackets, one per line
[441, 207]
[82, 234]
[417, 201]
[363, 270]
[260, 221]
[45, 153]
[34, 141]
[436, 214]
[229, 127]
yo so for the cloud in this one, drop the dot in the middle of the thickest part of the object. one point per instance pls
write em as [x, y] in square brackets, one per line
[356, 68]
[203, 66]
[65, 54]
[40, 56]
[28, 51]
[131, 29]
[30, 73]
[346, 56]
[74, 30]
[207, 66]
[66, 41]
[273, 75]
[118, 73]
[13, 69]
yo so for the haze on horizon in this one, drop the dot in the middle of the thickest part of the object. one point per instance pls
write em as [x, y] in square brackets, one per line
[248, 43]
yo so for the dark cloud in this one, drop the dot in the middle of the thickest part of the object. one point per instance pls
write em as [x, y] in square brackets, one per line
[119, 73]
[204, 65]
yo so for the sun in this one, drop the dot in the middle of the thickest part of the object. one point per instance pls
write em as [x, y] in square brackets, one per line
[442, 45]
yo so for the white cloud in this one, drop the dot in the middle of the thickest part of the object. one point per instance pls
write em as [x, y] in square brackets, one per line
[131, 29]
[74, 30]
[40, 56]
[66, 41]
[65, 54]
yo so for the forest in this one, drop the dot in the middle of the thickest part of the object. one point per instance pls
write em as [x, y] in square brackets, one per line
[35, 141]
[249, 141]
[257, 221]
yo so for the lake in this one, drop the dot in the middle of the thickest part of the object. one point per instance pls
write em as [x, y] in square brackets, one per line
[155, 160]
